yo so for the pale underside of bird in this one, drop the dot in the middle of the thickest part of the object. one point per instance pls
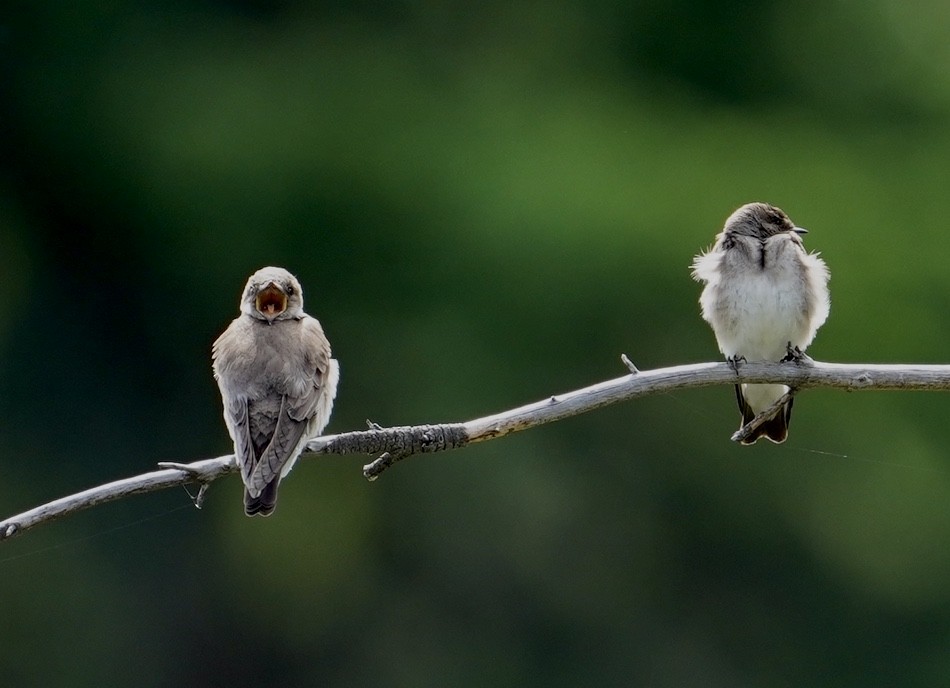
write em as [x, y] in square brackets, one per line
[765, 297]
[277, 381]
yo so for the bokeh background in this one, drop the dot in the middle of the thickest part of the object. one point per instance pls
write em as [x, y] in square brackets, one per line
[487, 203]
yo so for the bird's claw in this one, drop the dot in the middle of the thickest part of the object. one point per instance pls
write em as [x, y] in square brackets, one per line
[794, 354]
[735, 362]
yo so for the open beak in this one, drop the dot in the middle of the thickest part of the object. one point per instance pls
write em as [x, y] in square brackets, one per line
[271, 301]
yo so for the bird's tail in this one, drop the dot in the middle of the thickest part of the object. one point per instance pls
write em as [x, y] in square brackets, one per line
[774, 429]
[265, 503]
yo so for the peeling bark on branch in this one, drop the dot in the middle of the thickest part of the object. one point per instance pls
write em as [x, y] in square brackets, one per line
[395, 444]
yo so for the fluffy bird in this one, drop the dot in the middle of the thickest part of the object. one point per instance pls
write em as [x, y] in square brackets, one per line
[277, 382]
[765, 298]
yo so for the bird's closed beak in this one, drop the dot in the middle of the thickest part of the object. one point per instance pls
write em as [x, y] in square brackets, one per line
[271, 301]
[800, 230]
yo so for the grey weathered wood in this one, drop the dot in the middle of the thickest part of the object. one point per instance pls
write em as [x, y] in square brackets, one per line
[400, 442]
[203, 471]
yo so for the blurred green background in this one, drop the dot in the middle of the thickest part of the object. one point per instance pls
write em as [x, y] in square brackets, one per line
[486, 204]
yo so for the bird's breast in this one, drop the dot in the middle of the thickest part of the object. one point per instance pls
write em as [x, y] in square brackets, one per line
[757, 312]
[262, 361]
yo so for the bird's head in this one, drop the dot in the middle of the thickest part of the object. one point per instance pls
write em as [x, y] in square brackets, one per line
[272, 294]
[760, 221]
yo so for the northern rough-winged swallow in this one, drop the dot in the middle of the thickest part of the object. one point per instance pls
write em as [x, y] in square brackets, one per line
[277, 382]
[765, 298]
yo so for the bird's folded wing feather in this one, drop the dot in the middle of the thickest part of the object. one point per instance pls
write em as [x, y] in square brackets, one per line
[241, 434]
[282, 448]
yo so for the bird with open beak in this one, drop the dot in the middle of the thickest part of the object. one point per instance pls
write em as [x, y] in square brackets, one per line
[277, 382]
[765, 298]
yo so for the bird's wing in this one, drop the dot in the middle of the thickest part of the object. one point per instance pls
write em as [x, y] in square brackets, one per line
[304, 409]
[236, 416]
[225, 350]
[282, 448]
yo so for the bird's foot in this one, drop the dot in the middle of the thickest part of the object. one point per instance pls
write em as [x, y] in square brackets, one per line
[794, 354]
[735, 362]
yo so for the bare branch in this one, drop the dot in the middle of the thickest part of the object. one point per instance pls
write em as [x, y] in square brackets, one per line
[199, 471]
[395, 444]
[627, 362]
